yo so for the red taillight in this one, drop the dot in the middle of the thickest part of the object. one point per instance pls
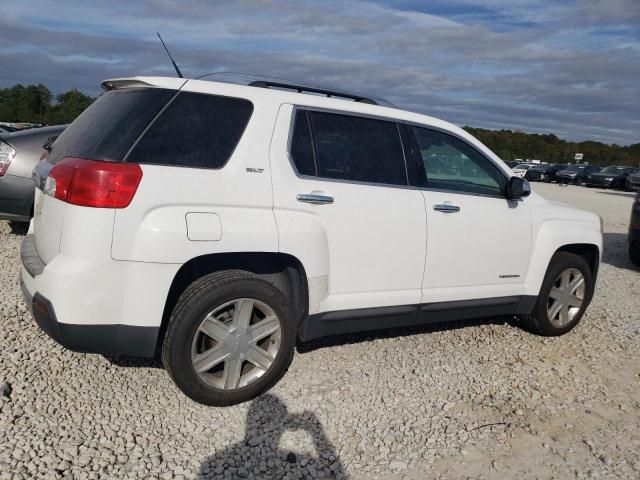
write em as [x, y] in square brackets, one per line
[90, 183]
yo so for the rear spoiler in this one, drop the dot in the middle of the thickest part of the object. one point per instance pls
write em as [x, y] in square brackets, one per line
[138, 82]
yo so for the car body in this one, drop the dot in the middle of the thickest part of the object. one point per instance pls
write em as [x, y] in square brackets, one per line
[633, 182]
[521, 169]
[576, 174]
[543, 173]
[634, 231]
[226, 222]
[610, 177]
[20, 151]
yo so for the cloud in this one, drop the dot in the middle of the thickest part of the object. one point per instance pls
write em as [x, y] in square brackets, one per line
[571, 69]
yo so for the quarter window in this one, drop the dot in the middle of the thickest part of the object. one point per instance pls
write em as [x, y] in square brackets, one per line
[347, 147]
[195, 130]
[302, 146]
[452, 164]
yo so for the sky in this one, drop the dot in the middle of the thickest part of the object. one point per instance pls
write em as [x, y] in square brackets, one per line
[571, 67]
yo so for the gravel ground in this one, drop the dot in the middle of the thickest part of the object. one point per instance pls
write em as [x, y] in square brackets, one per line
[479, 399]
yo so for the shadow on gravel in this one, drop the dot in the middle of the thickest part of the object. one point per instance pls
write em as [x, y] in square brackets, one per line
[347, 339]
[19, 228]
[135, 362]
[615, 251]
[619, 194]
[258, 455]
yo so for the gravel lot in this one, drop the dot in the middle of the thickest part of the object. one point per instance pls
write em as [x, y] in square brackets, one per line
[479, 399]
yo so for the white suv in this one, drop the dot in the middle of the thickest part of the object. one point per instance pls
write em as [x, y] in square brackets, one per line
[219, 223]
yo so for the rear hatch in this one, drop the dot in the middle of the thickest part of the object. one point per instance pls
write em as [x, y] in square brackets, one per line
[105, 132]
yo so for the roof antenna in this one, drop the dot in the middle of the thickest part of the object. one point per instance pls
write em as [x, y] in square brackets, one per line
[170, 57]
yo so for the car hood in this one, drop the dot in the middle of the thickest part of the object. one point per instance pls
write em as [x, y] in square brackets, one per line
[568, 173]
[552, 210]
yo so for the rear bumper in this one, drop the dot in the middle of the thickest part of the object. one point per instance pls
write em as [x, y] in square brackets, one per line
[16, 198]
[104, 339]
[91, 308]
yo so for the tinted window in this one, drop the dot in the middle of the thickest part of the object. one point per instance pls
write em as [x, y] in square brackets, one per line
[109, 127]
[301, 146]
[195, 130]
[358, 149]
[452, 164]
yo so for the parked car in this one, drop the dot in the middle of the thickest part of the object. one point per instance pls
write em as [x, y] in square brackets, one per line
[220, 223]
[19, 153]
[7, 129]
[610, 177]
[521, 169]
[576, 174]
[511, 163]
[634, 231]
[633, 182]
[543, 173]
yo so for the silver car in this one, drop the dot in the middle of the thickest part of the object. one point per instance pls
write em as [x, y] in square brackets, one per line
[19, 153]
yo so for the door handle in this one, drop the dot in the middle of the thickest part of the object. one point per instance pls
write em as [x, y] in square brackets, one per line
[314, 198]
[446, 208]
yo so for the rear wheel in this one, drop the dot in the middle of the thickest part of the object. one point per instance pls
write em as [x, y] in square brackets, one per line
[230, 338]
[634, 253]
[565, 294]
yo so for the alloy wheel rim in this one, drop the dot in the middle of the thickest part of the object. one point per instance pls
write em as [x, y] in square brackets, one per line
[236, 344]
[566, 297]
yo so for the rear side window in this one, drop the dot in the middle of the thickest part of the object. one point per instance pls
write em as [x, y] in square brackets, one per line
[195, 130]
[347, 147]
[109, 127]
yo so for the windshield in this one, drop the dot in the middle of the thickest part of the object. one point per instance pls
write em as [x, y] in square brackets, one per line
[616, 170]
[523, 166]
[576, 168]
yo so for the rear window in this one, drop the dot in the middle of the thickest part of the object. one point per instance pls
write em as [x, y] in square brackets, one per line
[109, 127]
[195, 130]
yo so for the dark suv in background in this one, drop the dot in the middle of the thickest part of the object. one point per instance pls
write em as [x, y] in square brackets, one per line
[634, 232]
[610, 177]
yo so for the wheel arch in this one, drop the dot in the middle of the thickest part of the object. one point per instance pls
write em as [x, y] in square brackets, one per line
[284, 271]
[588, 251]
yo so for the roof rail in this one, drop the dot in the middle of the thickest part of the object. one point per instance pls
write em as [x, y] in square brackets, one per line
[264, 82]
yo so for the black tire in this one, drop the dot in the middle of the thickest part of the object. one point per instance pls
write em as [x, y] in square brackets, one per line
[634, 253]
[538, 322]
[200, 298]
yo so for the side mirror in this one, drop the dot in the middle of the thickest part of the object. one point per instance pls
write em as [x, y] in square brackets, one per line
[518, 188]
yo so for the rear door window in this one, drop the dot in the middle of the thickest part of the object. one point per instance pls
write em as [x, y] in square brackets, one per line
[353, 148]
[195, 130]
[107, 129]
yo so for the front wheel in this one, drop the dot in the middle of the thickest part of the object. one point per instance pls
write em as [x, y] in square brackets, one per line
[566, 292]
[230, 338]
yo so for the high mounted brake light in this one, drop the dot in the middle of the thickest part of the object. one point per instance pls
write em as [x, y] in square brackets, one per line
[90, 183]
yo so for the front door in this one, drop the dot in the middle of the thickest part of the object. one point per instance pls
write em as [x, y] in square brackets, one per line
[478, 241]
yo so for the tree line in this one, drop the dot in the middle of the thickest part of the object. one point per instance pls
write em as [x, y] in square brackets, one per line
[36, 104]
[510, 145]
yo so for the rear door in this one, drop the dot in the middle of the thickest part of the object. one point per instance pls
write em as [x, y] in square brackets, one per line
[478, 241]
[341, 196]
